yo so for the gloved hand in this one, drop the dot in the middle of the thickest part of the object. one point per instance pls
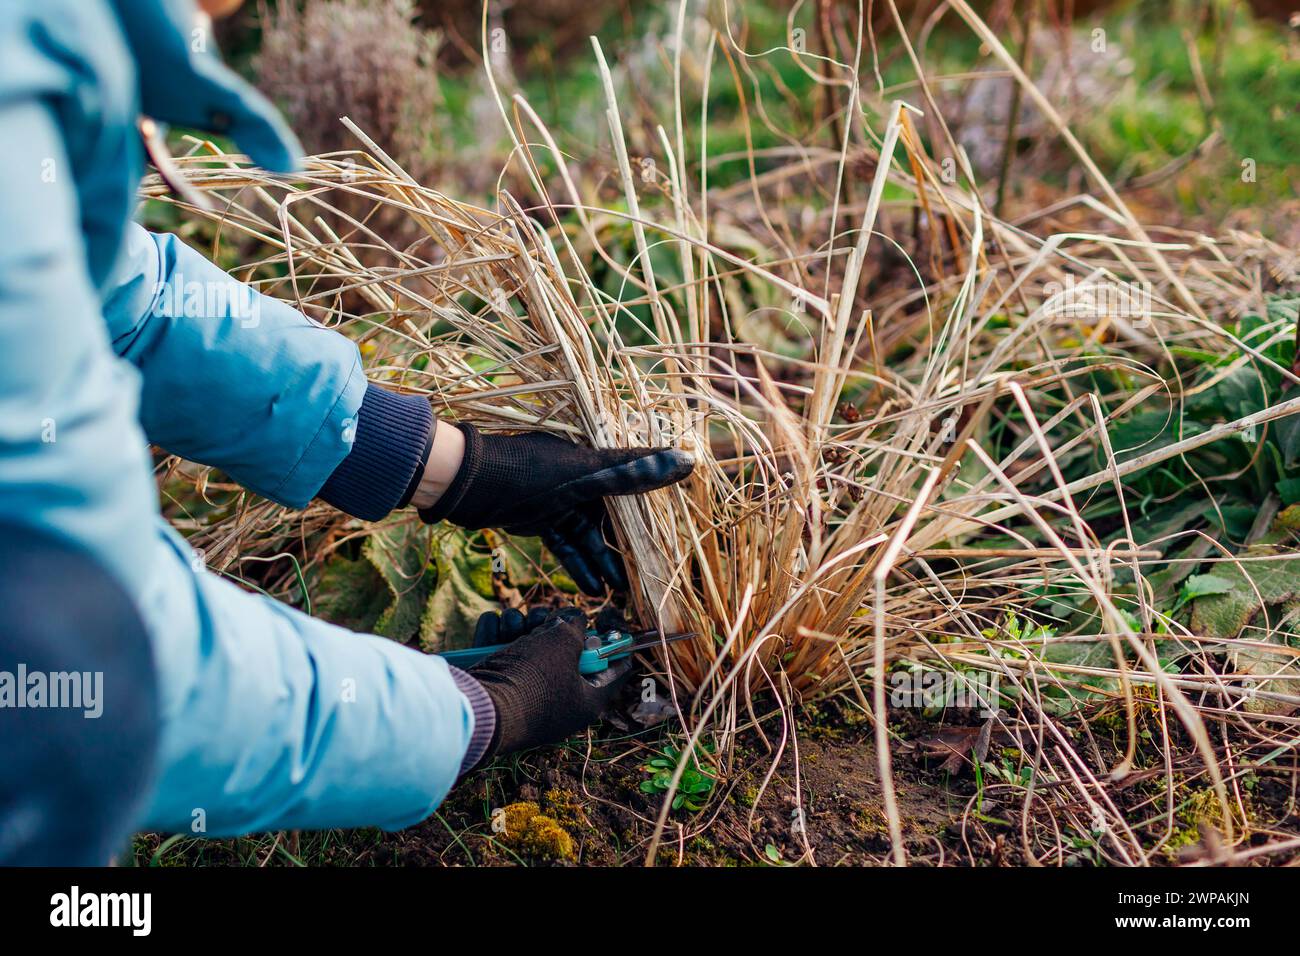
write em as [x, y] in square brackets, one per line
[538, 484]
[509, 625]
[539, 696]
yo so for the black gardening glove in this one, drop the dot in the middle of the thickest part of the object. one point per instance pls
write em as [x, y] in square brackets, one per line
[538, 484]
[511, 624]
[539, 696]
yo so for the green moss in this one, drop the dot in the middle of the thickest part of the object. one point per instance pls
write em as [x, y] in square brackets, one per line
[1197, 811]
[702, 844]
[869, 820]
[822, 732]
[853, 717]
[531, 833]
[565, 807]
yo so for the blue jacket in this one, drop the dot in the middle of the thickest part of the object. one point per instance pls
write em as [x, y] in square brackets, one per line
[270, 719]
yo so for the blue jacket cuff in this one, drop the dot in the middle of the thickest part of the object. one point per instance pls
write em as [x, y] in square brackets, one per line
[485, 717]
[389, 450]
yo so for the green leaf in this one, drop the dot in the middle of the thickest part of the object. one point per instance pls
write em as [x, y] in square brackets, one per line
[1202, 585]
[1242, 392]
[1165, 582]
[1254, 585]
[525, 560]
[1234, 520]
[1287, 434]
[1264, 663]
[351, 594]
[1288, 490]
[398, 554]
[453, 608]
[1144, 432]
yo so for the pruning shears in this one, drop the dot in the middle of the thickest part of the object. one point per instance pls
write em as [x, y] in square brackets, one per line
[600, 651]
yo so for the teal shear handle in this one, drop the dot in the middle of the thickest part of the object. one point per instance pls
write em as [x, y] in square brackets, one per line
[600, 650]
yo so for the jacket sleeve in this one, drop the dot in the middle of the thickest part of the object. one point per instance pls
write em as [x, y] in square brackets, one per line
[269, 718]
[244, 382]
[273, 719]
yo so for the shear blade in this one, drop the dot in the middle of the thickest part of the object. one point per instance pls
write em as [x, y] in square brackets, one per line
[648, 640]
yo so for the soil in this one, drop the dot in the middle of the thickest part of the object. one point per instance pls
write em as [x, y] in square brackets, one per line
[582, 804]
[596, 797]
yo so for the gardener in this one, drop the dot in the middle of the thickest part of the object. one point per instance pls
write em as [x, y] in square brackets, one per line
[263, 717]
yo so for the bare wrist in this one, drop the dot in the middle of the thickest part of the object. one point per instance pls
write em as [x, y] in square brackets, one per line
[445, 456]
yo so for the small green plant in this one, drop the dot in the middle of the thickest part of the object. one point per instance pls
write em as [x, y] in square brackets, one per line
[694, 787]
[774, 857]
[1007, 771]
[1087, 853]
[1022, 630]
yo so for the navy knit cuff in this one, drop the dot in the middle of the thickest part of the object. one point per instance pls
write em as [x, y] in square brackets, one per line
[485, 717]
[389, 450]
